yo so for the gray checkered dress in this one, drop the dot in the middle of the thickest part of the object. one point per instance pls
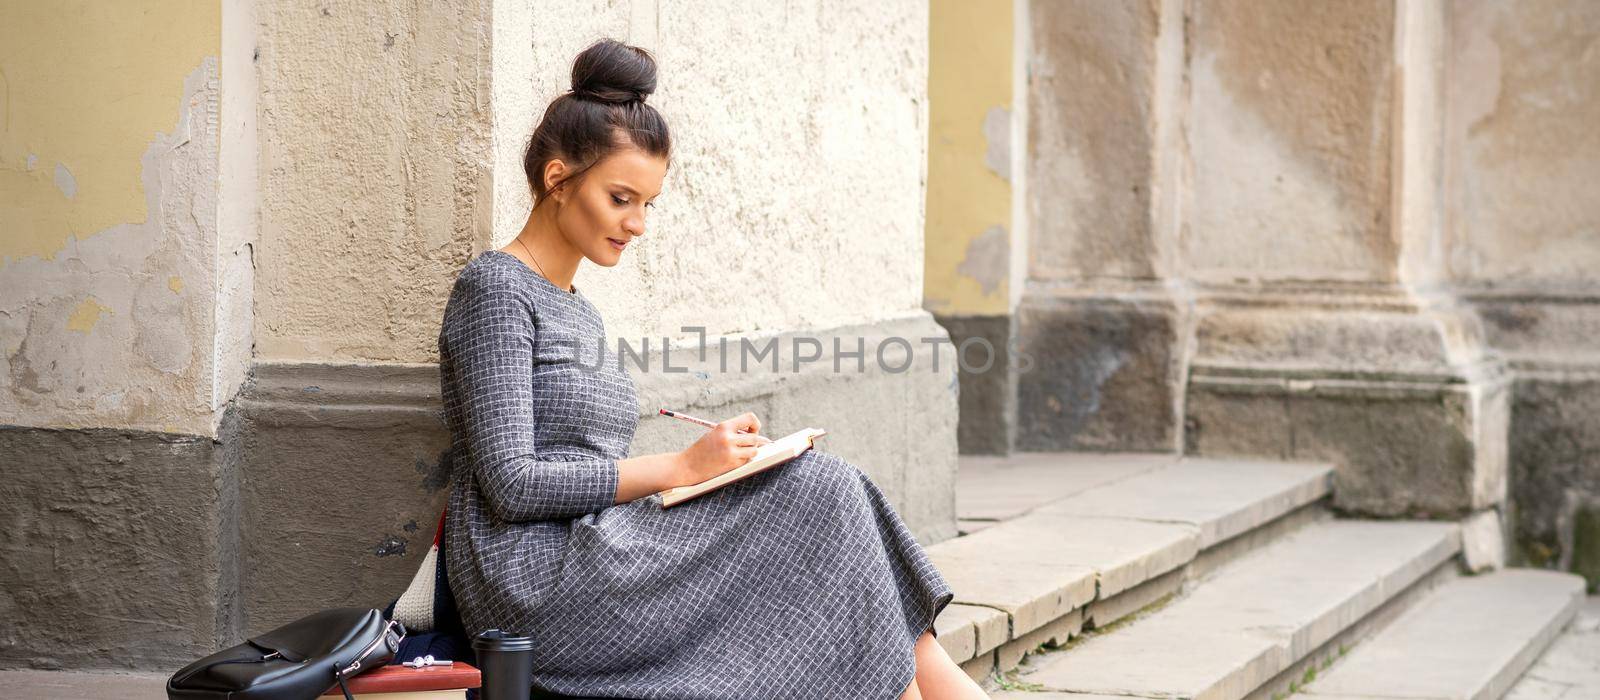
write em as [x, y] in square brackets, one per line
[799, 582]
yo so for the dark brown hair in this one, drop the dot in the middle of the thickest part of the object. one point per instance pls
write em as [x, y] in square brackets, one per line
[610, 80]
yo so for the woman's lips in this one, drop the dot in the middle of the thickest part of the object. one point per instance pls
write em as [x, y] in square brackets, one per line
[619, 245]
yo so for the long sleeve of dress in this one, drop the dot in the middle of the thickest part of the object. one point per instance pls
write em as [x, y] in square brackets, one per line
[492, 355]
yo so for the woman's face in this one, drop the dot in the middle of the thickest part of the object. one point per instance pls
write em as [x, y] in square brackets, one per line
[608, 206]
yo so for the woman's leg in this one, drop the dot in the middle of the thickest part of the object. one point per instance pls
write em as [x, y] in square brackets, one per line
[912, 693]
[939, 677]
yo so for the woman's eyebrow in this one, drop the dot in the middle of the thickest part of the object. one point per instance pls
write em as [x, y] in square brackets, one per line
[633, 191]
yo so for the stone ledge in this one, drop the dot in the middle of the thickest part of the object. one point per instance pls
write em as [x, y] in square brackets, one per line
[292, 393]
[1126, 530]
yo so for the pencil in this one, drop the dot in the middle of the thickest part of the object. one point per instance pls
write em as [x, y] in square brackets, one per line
[700, 421]
[687, 417]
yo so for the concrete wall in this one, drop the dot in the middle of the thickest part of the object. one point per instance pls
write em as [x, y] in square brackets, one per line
[1291, 131]
[1313, 132]
[375, 154]
[1361, 232]
[1105, 100]
[235, 245]
[1091, 140]
[1524, 99]
[127, 170]
[802, 152]
[1524, 230]
[1238, 232]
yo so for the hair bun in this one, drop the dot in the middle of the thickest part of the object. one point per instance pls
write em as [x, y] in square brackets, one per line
[612, 72]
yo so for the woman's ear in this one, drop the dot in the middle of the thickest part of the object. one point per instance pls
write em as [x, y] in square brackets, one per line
[554, 172]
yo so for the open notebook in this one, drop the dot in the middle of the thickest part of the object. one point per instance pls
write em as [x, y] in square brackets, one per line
[767, 456]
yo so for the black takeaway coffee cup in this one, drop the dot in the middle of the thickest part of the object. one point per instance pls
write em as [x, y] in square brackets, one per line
[505, 662]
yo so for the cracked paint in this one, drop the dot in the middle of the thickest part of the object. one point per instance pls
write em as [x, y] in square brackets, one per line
[69, 109]
[967, 256]
[110, 210]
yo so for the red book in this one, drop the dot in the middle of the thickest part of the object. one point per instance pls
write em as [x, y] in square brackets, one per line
[395, 678]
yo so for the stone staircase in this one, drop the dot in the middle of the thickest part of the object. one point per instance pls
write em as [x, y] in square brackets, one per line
[1097, 576]
[1123, 576]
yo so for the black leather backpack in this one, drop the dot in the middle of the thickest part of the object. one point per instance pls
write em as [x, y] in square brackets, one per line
[298, 661]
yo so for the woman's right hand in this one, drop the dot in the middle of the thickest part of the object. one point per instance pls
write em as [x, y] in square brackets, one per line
[730, 444]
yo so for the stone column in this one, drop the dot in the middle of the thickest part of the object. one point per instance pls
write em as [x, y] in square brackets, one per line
[1100, 314]
[976, 239]
[760, 229]
[127, 202]
[1313, 239]
[1523, 223]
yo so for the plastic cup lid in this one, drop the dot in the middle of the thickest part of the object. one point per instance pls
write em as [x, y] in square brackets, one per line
[501, 640]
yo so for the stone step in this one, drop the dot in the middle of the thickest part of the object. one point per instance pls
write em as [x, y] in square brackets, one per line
[1254, 618]
[55, 685]
[1470, 639]
[1220, 498]
[1570, 669]
[1115, 525]
[991, 489]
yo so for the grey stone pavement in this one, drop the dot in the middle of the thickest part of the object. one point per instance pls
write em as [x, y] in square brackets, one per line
[1570, 670]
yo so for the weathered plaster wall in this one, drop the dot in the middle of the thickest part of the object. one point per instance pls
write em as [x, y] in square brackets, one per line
[1090, 141]
[127, 205]
[1106, 96]
[108, 169]
[238, 200]
[117, 547]
[1523, 225]
[1290, 134]
[976, 236]
[374, 152]
[969, 232]
[1525, 105]
[794, 200]
[1421, 38]
[534, 48]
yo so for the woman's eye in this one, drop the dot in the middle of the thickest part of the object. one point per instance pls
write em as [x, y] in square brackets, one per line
[619, 202]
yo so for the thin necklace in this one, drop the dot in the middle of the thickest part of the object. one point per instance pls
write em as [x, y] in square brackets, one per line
[535, 260]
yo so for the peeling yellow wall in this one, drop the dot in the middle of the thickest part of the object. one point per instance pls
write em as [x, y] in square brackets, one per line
[969, 193]
[84, 88]
[109, 254]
